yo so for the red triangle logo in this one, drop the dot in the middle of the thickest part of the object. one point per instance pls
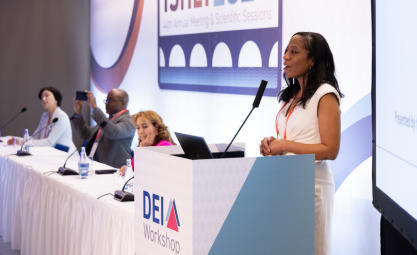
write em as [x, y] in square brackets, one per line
[172, 221]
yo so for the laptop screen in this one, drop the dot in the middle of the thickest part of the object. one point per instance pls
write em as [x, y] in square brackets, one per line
[194, 147]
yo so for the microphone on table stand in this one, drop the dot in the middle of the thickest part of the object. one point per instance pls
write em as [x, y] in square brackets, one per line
[25, 153]
[255, 104]
[68, 171]
[122, 196]
[23, 110]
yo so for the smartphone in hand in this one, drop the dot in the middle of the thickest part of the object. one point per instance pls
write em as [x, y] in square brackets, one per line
[81, 96]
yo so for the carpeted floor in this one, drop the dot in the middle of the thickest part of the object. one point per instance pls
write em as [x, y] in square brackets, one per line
[5, 249]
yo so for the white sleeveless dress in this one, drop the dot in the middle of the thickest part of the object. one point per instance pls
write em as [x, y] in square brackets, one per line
[303, 127]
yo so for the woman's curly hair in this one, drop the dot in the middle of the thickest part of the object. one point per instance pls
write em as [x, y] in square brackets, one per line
[156, 120]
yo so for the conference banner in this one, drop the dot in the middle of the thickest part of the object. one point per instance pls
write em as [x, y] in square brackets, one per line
[220, 46]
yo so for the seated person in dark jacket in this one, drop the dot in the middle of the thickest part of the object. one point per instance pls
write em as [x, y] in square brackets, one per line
[110, 140]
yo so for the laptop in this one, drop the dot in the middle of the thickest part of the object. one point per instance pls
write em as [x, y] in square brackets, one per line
[194, 147]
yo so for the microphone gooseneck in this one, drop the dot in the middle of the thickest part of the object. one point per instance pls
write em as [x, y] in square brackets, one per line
[25, 153]
[23, 110]
[69, 157]
[255, 104]
[67, 171]
[124, 186]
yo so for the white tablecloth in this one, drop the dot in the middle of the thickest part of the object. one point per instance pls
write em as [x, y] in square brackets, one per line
[58, 215]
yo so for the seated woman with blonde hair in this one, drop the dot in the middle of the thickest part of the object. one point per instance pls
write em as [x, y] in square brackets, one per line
[151, 131]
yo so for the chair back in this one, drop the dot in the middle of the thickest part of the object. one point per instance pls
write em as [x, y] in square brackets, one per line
[61, 147]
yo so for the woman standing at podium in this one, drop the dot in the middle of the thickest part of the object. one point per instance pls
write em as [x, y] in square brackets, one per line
[308, 121]
[151, 131]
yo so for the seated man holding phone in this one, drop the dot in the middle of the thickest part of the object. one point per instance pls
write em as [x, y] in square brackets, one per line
[108, 142]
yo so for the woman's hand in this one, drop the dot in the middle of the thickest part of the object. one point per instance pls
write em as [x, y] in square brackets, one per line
[277, 147]
[148, 141]
[122, 170]
[12, 140]
[78, 106]
[272, 146]
[329, 128]
[264, 147]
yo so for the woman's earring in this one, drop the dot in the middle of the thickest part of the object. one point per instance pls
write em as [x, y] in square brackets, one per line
[309, 68]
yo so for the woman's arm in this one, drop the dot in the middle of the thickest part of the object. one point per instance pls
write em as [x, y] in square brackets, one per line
[329, 128]
[58, 129]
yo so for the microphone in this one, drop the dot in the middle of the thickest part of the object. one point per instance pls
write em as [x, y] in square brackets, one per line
[23, 110]
[255, 104]
[260, 93]
[122, 196]
[67, 171]
[25, 153]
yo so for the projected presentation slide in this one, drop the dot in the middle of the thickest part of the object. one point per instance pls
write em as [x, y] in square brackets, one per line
[225, 46]
[396, 107]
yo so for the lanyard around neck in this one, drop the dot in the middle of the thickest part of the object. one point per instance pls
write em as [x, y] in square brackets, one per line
[99, 131]
[286, 121]
[47, 124]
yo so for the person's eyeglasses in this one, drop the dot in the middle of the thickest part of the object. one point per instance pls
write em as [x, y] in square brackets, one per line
[109, 100]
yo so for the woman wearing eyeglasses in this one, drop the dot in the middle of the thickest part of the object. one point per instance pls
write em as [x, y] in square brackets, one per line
[108, 142]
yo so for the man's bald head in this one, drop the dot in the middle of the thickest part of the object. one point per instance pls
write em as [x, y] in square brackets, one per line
[117, 100]
[122, 95]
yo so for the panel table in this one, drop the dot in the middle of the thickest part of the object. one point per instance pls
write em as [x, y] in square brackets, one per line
[48, 214]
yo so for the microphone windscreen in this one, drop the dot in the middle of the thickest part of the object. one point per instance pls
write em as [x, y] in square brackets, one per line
[260, 93]
[103, 124]
[24, 109]
[55, 120]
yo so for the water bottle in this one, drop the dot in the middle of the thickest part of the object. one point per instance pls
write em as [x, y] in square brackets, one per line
[90, 169]
[83, 164]
[128, 175]
[26, 145]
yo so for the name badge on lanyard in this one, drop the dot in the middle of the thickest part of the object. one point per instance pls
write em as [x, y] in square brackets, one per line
[100, 135]
[95, 145]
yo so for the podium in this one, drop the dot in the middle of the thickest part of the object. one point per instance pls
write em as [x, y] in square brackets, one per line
[243, 205]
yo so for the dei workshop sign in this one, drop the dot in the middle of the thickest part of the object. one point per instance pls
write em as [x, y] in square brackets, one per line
[223, 206]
